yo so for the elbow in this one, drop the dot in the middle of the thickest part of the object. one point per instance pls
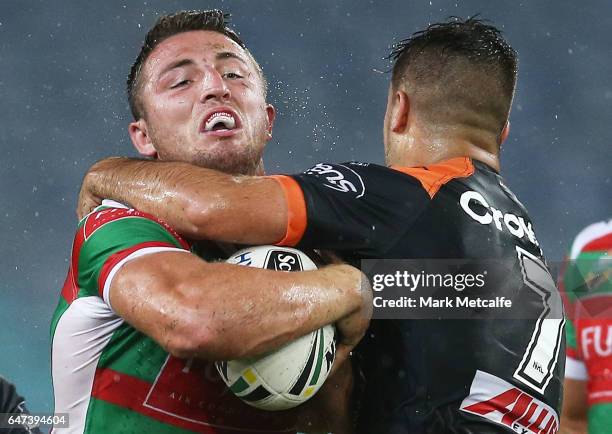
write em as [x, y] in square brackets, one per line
[204, 339]
[198, 219]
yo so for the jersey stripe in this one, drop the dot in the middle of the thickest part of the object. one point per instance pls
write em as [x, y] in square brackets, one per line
[600, 244]
[296, 210]
[130, 392]
[588, 234]
[121, 257]
[433, 177]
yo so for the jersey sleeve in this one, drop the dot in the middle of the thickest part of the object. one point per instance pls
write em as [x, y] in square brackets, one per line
[109, 238]
[357, 207]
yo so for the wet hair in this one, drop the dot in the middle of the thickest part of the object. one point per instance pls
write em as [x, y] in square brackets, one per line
[173, 24]
[459, 72]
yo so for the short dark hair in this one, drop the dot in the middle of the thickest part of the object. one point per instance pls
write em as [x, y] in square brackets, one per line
[170, 25]
[459, 68]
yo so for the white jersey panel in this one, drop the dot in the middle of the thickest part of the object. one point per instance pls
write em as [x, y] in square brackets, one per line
[82, 333]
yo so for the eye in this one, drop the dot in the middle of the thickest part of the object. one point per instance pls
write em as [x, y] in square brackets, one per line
[232, 75]
[181, 83]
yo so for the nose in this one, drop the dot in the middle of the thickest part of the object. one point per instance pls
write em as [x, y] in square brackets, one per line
[214, 86]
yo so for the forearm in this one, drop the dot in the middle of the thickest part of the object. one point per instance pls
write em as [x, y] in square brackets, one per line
[573, 426]
[220, 311]
[199, 203]
[266, 310]
[574, 411]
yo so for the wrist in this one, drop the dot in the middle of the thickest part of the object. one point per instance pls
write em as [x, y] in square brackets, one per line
[354, 286]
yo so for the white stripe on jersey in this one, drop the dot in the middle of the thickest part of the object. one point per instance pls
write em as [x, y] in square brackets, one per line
[82, 333]
[588, 234]
[137, 254]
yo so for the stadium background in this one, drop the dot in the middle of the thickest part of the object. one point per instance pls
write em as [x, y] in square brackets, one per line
[62, 103]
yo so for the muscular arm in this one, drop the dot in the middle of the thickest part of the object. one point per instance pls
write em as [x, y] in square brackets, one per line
[220, 311]
[574, 412]
[199, 203]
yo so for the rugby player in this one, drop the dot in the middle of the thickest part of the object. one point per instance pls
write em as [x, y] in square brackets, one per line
[141, 316]
[11, 404]
[440, 196]
[586, 283]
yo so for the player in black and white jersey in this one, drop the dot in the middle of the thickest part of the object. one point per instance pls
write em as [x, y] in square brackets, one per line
[12, 404]
[441, 197]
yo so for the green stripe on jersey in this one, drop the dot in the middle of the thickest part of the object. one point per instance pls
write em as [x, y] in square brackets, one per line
[112, 238]
[62, 306]
[570, 333]
[600, 418]
[134, 353]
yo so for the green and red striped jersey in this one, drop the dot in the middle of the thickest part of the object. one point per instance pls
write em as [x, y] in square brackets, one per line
[586, 284]
[110, 377]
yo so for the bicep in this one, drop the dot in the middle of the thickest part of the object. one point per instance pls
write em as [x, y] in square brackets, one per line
[148, 292]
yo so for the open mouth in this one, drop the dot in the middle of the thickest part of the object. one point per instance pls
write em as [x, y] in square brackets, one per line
[220, 121]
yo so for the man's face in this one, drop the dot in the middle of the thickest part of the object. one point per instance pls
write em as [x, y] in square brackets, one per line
[204, 104]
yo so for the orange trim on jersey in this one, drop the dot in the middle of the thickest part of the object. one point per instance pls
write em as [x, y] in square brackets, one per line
[434, 176]
[296, 210]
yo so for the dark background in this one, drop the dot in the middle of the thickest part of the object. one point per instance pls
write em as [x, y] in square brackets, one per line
[62, 104]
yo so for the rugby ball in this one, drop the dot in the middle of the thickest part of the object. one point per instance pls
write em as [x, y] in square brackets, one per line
[292, 374]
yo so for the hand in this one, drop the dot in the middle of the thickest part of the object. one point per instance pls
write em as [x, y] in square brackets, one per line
[87, 200]
[96, 180]
[353, 327]
[330, 409]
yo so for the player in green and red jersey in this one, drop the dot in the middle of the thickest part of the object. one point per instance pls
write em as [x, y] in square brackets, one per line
[587, 284]
[441, 196]
[141, 317]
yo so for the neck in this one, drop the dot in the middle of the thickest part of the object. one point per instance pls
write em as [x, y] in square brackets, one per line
[420, 150]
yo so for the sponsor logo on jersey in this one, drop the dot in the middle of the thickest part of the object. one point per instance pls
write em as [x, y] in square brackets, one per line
[503, 403]
[477, 207]
[281, 260]
[340, 178]
[596, 341]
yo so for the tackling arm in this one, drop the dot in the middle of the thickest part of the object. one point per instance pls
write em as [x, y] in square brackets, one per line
[574, 412]
[199, 203]
[219, 311]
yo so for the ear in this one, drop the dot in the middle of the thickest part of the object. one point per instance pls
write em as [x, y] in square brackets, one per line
[400, 111]
[271, 112]
[140, 138]
[505, 132]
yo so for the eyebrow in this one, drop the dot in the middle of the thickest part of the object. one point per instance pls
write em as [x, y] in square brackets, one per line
[177, 64]
[229, 55]
[187, 62]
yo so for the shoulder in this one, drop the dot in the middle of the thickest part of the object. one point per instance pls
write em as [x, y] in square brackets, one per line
[434, 176]
[594, 236]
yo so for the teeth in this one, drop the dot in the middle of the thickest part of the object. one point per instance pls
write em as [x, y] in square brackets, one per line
[224, 118]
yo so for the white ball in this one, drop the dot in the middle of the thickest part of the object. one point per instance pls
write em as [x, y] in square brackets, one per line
[292, 374]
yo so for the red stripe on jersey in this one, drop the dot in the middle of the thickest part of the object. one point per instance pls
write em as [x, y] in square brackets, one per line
[93, 222]
[131, 393]
[70, 290]
[573, 353]
[600, 392]
[119, 256]
[98, 219]
[599, 244]
[434, 176]
[71, 286]
[597, 306]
